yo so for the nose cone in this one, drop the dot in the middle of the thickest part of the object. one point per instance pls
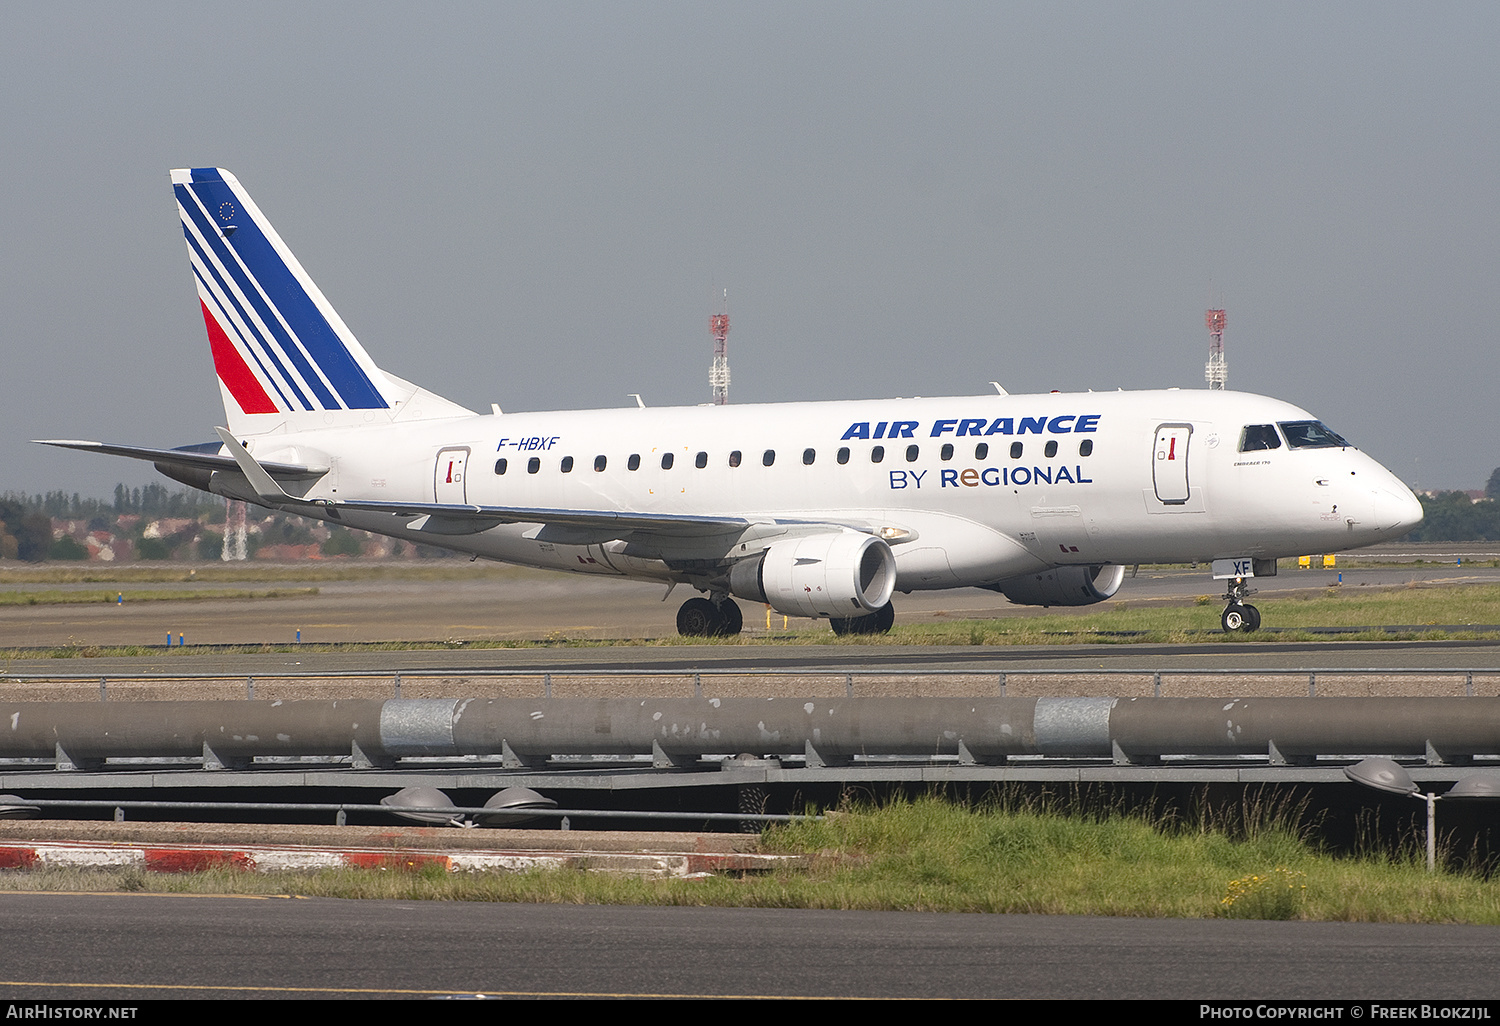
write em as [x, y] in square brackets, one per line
[1396, 509]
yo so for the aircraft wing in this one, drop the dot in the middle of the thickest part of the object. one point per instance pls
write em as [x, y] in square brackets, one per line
[615, 521]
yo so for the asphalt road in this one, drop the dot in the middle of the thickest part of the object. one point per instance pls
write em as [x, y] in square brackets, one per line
[83, 947]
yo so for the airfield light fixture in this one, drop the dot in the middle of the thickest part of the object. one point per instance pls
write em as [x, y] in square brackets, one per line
[510, 807]
[13, 806]
[425, 805]
[1389, 776]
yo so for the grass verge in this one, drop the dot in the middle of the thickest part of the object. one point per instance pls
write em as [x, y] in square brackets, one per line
[336, 569]
[932, 855]
[71, 598]
[1421, 610]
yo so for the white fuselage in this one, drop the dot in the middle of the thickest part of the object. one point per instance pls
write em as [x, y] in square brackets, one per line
[1098, 477]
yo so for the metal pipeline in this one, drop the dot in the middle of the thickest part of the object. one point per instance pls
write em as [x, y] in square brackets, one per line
[1124, 729]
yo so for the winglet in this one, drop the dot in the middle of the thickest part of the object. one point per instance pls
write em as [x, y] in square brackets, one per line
[264, 484]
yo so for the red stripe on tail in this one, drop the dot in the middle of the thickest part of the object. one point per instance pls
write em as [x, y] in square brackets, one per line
[233, 370]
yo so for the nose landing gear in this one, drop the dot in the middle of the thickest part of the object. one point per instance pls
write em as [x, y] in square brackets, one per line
[1239, 616]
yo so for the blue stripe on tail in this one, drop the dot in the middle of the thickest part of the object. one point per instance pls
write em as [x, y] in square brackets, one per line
[248, 250]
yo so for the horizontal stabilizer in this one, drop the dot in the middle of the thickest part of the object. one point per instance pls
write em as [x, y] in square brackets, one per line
[193, 456]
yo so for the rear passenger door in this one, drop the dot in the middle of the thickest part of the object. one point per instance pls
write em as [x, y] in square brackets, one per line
[448, 476]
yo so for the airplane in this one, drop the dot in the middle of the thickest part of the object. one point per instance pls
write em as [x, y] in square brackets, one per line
[818, 509]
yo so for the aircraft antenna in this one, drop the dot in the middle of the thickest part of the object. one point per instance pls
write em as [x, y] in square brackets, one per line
[1217, 370]
[718, 374]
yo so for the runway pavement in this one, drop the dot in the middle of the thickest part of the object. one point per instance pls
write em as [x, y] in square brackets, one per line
[90, 947]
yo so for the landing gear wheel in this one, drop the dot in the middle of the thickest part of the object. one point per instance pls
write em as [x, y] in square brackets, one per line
[1240, 618]
[878, 622]
[733, 620]
[1252, 616]
[699, 618]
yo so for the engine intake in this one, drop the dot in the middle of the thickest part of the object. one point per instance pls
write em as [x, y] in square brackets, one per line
[834, 575]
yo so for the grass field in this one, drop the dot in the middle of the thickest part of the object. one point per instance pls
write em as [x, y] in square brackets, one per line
[1432, 612]
[1257, 861]
[1428, 612]
[311, 571]
[106, 596]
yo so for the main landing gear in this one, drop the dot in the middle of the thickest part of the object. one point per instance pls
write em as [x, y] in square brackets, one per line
[705, 618]
[1239, 616]
[878, 622]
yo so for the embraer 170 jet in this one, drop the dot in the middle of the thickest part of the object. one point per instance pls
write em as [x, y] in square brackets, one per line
[817, 509]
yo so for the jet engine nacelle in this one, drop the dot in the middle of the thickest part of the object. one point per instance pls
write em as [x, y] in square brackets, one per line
[846, 574]
[1063, 586]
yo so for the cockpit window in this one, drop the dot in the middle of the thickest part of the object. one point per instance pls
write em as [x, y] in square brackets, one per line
[1259, 436]
[1310, 434]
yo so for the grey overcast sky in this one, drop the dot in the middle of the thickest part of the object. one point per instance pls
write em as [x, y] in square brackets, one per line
[533, 204]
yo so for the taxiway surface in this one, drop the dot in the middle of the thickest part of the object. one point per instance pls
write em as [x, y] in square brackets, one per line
[80, 947]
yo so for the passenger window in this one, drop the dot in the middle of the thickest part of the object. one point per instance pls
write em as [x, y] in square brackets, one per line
[500, 466]
[599, 463]
[768, 457]
[734, 458]
[701, 460]
[843, 456]
[877, 454]
[666, 461]
[1256, 437]
[533, 465]
[982, 451]
[1015, 450]
[947, 452]
[808, 455]
[634, 463]
[911, 454]
[1050, 449]
[1086, 447]
[567, 464]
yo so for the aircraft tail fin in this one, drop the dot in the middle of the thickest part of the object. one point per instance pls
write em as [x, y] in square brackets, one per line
[284, 357]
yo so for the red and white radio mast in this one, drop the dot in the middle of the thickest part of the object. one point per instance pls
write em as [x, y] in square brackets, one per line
[1217, 371]
[718, 374]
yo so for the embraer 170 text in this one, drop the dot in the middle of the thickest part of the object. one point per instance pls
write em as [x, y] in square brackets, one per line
[817, 509]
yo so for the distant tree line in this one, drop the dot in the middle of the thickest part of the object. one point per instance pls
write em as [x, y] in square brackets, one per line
[25, 532]
[1454, 517]
[153, 500]
[26, 520]
[26, 526]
